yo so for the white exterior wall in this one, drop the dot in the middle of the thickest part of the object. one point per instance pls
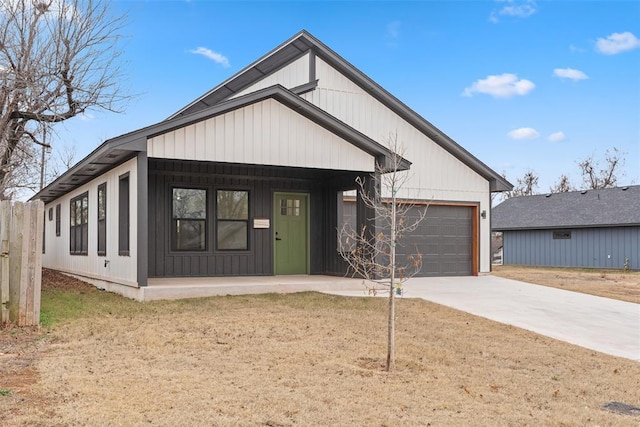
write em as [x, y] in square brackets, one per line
[120, 269]
[265, 133]
[294, 74]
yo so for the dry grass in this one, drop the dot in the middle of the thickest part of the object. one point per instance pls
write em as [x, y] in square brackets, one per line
[306, 359]
[616, 284]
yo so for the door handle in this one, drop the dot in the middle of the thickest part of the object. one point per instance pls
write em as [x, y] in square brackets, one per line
[277, 238]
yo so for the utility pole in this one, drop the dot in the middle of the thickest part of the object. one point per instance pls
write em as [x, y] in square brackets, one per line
[42, 160]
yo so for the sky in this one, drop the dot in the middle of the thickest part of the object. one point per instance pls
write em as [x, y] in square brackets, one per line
[522, 85]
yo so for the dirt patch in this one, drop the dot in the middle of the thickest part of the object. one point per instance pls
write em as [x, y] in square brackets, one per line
[623, 286]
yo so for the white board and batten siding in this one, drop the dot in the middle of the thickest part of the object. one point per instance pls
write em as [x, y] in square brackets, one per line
[264, 133]
[119, 269]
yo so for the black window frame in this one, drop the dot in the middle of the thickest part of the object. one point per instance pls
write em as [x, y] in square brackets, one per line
[222, 220]
[124, 215]
[101, 216]
[175, 220]
[79, 224]
[58, 213]
[50, 214]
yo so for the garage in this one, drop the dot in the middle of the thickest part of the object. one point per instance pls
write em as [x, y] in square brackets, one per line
[444, 239]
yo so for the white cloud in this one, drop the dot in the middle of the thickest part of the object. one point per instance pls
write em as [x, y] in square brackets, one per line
[214, 56]
[570, 73]
[501, 86]
[393, 29]
[557, 137]
[513, 8]
[523, 133]
[617, 43]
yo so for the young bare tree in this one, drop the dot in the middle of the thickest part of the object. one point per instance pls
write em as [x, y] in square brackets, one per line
[372, 254]
[594, 176]
[58, 58]
[562, 186]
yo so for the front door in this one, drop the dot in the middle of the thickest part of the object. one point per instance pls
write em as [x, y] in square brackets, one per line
[291, 233]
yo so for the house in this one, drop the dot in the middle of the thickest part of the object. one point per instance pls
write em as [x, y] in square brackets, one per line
[247, 180]
[586, 229]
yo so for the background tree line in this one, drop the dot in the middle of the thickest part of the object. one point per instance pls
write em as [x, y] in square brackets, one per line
[595, 173]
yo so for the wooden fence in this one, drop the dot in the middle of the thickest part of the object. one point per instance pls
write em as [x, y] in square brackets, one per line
[21, 226]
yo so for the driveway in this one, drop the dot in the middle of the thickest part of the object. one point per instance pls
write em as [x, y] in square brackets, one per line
[597, 323]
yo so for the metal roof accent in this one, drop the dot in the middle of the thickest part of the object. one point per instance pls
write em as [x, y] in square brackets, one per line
[300, 44]
[608, 207]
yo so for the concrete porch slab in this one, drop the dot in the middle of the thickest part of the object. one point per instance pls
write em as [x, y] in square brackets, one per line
[198, 287]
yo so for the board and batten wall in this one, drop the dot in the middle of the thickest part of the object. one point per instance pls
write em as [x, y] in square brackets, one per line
[264, 133]
[605, 247]
[118, 268]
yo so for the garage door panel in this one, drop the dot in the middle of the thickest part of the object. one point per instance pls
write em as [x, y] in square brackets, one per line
[445, 241]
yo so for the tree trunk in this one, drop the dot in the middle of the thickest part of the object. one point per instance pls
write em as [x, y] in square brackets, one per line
[391, 338]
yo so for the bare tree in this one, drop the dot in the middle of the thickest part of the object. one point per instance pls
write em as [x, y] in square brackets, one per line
[525, 186]
[58, 58]
[371, 254]
[562, 186]
[594, 176]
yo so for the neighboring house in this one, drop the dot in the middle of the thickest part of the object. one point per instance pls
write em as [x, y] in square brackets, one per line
[587, 229]
[247, 180]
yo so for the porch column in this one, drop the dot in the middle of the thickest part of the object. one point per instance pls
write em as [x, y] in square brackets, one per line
[365, 214]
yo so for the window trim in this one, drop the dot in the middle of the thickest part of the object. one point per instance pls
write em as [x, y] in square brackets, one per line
[246, 221]
[58, 214]
[124, 215]
[101, 237]
[173, 224]
[83, 226]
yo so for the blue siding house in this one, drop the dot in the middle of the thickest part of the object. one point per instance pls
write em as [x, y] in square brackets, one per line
[587, 229]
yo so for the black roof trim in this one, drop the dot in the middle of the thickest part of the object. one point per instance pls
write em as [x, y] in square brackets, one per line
[297, 46]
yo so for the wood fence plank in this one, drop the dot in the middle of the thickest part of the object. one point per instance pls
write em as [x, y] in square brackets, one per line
[5, 218]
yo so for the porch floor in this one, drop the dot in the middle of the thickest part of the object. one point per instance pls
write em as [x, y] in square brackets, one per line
[196, 287]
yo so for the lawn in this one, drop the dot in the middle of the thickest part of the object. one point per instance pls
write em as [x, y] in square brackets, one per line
[301, 359]
[616, 284]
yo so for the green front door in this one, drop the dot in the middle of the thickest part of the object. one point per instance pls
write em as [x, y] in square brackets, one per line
[291, 233]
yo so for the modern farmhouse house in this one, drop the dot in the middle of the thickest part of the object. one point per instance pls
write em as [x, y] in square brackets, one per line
[587, 229]
[248, 180]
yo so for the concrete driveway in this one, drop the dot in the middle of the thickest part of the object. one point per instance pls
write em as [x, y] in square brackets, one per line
[601, 324]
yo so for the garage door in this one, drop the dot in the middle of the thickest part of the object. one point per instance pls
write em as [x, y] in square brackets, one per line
[444, 239]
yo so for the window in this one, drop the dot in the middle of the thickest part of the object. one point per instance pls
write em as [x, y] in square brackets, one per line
[79, 229]
[562, 234]
[58, 220]
[123, 215]
[102, 219]
[232, 220]
[50, 214]
[189, 219]
[290, 207]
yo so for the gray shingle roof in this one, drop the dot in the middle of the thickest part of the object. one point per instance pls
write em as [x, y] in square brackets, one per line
[608, 207]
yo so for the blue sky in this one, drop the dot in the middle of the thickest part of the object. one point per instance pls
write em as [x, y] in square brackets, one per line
[522, 85]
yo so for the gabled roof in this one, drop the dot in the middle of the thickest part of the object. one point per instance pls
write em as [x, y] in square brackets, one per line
[304, 42]
[117, 150]
[608, 207]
